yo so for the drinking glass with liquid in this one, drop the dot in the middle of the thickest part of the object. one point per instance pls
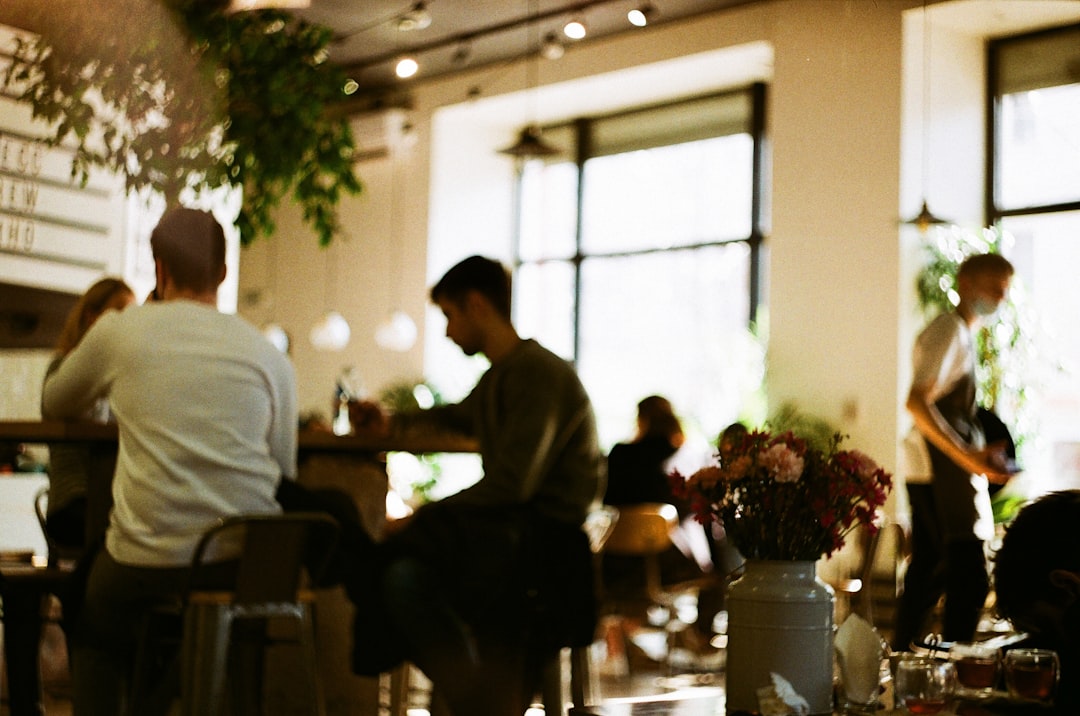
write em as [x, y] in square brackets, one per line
[924, 685]
[976, 667]
[1031, 674]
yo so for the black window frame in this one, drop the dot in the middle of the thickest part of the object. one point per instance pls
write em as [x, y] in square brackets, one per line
[757, 93]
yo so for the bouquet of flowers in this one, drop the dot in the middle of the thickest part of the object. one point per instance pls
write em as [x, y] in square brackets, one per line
[779, 498]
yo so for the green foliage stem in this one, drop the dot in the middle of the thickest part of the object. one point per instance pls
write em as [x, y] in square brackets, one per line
[177, 94]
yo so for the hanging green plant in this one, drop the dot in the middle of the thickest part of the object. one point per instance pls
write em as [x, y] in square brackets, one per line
[178, 94]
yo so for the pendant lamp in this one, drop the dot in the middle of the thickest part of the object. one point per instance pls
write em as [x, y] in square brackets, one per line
[331, 333]
[925, 218]
[397, 332]
[530, 144]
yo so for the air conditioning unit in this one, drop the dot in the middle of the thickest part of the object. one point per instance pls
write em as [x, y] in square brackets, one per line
[380, 132]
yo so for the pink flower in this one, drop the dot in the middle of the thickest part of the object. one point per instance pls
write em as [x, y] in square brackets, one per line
[864, 465]
[782, 463]
[779, 497]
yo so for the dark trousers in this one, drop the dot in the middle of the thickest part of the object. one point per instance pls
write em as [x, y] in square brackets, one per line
[477, 597]
[22, 597]
[954, 567]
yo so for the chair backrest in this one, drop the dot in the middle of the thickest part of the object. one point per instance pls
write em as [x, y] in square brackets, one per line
[643, 529]
[57, 550]
[272, 551]
[41, 504]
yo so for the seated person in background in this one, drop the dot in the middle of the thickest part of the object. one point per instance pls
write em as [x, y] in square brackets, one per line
[1037, 584]
[638, 470]
[726, 559]
[478, 589]
[729, 438]
[637, 473]
[207, 413]
[65, 518]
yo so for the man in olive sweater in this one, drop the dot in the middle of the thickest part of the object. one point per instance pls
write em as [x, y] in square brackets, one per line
[477, 589]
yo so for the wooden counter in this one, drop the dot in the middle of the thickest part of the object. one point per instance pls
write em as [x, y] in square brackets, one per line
[353, 464]
[46, 431]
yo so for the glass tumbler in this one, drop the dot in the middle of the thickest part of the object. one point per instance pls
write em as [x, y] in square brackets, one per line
[924, 685]
[1031, 674]
[976, 667]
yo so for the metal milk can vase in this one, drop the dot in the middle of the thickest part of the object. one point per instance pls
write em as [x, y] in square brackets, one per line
[780, 620]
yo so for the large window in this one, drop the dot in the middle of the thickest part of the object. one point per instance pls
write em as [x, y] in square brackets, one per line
[1033, 192]
[638, 257]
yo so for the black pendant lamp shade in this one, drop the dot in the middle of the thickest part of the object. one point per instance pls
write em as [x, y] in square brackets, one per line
[530, 145]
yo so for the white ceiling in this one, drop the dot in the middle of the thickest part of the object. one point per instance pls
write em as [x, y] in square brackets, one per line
[488, 32]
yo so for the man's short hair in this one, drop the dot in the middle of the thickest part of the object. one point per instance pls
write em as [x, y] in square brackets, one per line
[191, 245]
[1043, 537]
[486, 276]
[985, 264]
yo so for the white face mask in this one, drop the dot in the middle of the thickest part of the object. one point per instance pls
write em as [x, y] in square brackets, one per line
[984, 307]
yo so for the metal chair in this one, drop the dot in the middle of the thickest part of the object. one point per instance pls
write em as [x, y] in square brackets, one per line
[58, 552]
[276, 557]
[644, 532]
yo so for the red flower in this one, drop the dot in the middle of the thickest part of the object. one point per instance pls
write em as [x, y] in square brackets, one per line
[779, 498]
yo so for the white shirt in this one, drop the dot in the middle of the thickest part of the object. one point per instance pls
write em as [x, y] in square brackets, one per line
[944, 353]
[207, 414]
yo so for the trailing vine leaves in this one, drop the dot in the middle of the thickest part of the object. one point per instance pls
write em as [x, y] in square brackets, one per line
[176, 94]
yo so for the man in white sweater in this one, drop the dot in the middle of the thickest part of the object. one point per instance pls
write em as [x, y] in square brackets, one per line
[207, 415]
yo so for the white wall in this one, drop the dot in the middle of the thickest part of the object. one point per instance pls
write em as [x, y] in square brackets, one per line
[844, 169]
[368, 271]
[833, 247]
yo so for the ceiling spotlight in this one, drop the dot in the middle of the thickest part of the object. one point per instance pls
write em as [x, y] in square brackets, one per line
[640, 16]
[406, 67]
[551, 48]
[575, 29]
[417, 18]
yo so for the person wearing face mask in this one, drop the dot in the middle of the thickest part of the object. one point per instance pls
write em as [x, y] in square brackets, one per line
[1037, 584]
[949, 463]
